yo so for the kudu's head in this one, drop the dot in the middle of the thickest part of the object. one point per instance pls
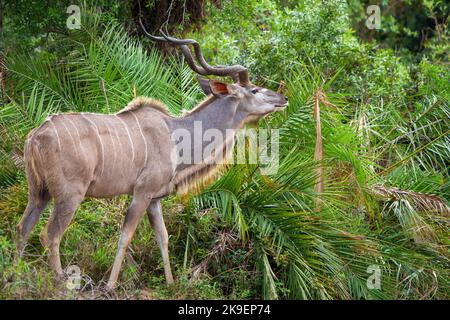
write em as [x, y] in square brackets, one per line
[253, 100]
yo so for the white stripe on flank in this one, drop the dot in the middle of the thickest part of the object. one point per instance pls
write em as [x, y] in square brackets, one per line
[57, 135]
[79, 137]
[71, 137]
[143, 137]
[119, 143]
[129, 137]
[100, 139]
[117, 137]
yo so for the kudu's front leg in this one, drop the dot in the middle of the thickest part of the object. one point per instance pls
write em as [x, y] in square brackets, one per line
[156, 220]
[132, 218]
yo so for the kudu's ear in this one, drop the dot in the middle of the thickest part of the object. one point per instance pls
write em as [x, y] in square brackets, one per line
[213, 87]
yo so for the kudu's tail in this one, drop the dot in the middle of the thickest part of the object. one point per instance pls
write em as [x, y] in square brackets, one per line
[33, 168]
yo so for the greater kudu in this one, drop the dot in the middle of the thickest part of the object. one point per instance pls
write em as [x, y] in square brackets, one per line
[76, 155]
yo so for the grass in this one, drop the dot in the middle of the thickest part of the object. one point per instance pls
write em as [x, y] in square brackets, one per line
[91, 242]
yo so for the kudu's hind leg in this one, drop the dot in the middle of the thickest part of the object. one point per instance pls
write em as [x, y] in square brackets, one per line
[60, 219]
[132, 218]
[36, 204]
[156, 220]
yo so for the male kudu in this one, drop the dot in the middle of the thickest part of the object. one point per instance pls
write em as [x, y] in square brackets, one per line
[76, 155]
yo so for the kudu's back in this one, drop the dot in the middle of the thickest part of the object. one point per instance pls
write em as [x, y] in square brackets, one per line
[103, 154]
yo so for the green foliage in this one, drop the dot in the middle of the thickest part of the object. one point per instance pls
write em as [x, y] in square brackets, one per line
[269, 38]
[410, 25]
[37, 23]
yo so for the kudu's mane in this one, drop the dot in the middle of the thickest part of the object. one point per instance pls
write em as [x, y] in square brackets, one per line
[141, 102]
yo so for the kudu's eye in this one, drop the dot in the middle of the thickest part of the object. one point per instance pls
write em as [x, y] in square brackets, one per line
[254, 91]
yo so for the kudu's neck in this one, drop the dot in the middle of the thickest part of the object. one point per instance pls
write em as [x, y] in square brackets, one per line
[211, 126]
[219, 113]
